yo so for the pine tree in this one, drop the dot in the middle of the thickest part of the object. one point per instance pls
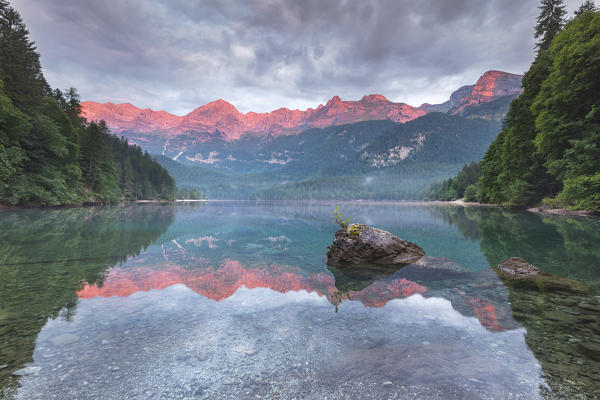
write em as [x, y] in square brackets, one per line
[549, 22]
[587, 6]
[512, 171]
[73, 106]
[20, 67]
[568, 111]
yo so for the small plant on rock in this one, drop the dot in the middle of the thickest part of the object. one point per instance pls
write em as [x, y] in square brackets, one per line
[354, 229]
[336, 215]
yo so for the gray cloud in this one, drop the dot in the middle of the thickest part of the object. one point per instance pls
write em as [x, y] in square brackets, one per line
[263, 54]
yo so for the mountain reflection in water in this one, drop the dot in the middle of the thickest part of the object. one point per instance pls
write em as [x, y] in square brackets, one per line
[222, 282]
[234, 300]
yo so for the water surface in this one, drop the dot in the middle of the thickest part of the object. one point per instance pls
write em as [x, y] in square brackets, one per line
[235, 300]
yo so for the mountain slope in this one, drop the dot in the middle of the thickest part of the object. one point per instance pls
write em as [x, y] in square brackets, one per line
[372, 159]
[435, 137]
[490, 88]
[455, 99]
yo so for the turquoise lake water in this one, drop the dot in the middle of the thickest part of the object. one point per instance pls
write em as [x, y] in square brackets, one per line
[234, 300]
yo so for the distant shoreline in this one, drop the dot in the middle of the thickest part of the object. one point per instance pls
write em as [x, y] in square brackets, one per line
[536, 210]
[360, 202]
[4, 207]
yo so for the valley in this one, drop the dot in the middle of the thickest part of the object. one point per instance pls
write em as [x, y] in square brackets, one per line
[372, 148]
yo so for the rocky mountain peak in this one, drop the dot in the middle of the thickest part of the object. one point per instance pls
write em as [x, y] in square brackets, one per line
[222, 116]
[335, 100]
[374, 98]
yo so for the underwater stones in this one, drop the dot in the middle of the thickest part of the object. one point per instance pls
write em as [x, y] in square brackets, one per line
[30, 370]
[590, 349]
[440, 266]
[559, 316]
[561, 332]
[64, 339]
[590, 307]
[518, 267]
[361, 244]
[518, 272]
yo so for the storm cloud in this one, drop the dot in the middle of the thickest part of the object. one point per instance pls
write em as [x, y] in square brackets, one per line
[260, 55]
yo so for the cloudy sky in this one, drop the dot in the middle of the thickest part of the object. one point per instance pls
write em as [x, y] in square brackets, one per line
[260, 55]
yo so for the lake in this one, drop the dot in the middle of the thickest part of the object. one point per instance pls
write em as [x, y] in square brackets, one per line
[234, 300]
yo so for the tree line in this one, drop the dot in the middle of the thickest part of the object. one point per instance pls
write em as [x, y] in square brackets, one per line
[49, 154]
[549, 148]
[464, 185]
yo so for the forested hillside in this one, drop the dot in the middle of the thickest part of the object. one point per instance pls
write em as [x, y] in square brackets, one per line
[49, 155]
[436, 137]
[549, 147]
[379, 160]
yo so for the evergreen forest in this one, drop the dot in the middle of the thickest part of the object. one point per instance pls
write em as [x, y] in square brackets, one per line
[49, 154]
[548, 151]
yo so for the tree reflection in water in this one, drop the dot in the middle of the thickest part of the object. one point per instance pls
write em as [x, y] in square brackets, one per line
[45, 255]
[563, 327]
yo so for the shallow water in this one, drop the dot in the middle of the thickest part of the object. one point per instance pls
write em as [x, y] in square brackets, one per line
[234, 300]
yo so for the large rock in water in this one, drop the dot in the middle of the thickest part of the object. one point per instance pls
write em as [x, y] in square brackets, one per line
[362, 245]
[518, 272]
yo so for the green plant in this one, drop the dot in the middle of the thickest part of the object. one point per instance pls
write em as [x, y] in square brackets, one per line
[355, 229]
[582, 192]
[337, 217]
[471, 193]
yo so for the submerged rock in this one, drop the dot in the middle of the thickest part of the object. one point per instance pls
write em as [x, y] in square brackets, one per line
[361, 244]
[590, 349]
[27, 371]
[438, 267]
[518, 272]
[64, 339]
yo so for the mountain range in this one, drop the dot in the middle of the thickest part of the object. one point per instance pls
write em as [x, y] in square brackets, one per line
[328, 151]
[220, 117]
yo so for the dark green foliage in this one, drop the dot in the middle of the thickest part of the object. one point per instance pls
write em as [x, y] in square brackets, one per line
[549, 22]
[552, 131]
[456, 188]
[114, 171]
[567, 107]
[587, 6]
[20, 67]
[188, 194]
[471, 193]
[49, 154]
[582, 192]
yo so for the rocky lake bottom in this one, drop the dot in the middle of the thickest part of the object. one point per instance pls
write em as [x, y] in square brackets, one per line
[235, 301]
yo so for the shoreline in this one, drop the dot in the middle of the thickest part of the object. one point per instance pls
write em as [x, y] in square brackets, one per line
[563, 212]
[4, 207]
[536, 210]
